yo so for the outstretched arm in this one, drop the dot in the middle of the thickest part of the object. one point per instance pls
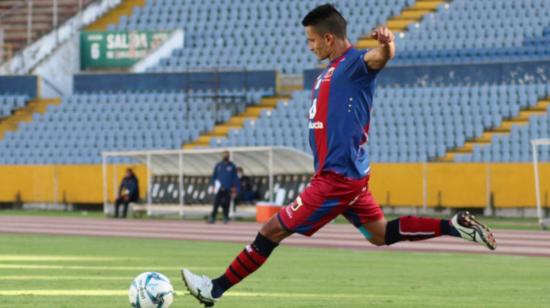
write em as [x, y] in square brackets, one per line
[377, 58]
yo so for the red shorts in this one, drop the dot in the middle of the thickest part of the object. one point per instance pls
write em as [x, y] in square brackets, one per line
[327, 196]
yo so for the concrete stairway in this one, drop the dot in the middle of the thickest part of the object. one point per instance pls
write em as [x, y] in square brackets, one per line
[504, 129]
[24, 114]
[401, 22]
[237, 121]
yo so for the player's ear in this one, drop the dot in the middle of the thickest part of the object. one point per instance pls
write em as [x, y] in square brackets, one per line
[329, 38]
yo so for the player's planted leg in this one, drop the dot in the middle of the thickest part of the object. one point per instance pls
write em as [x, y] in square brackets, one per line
[208, 291]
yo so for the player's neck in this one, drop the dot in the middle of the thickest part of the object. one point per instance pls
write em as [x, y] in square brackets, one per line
[340, 48]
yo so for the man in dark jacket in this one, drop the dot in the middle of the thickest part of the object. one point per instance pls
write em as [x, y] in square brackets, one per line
[127, 192]
[225, 174]
[246, 194]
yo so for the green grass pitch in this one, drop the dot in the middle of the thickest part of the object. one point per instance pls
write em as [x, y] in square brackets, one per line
[56, 271]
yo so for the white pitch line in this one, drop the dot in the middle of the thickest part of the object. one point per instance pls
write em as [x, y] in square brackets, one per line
[19, 277]
[228, 294]
[64, 292]
[121, 293]
[109, 268]
[59, 258]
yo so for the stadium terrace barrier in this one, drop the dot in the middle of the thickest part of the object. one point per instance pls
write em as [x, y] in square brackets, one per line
[459, 74]
[174, 81]
[473, 185]
[21, 85]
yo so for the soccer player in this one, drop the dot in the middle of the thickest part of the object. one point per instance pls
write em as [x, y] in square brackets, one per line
[339, 117]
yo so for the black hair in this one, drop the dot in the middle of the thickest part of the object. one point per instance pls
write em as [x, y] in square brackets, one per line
[326, 19]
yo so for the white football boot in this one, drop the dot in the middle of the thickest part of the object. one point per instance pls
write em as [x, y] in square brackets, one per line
[472, 230]
[199, 286]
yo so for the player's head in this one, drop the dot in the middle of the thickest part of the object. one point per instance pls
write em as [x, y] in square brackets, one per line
[129, 172]
[225, 156]
[324, 26]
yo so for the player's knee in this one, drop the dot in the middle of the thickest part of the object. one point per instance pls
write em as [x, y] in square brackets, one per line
[273, 230]
[377, 241]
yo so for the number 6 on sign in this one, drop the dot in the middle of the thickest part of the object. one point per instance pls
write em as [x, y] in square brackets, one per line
[95, 52]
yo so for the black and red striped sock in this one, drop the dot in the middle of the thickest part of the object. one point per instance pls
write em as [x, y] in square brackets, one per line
[246, 263]
[412, 228]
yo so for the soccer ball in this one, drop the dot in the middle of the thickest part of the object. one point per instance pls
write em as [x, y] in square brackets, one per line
[151, 290]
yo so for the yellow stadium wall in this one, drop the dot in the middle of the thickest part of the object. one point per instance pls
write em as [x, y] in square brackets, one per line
[447, 184]
[63, 183]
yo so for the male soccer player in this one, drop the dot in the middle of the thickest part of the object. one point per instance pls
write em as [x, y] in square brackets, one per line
[339, 117]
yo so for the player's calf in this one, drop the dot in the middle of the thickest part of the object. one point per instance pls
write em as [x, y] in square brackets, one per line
[412, 228]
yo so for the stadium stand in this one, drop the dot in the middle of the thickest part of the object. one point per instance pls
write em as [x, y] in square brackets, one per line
[9, 103]
[415, 124]
[77, 130]
[453, 94]
[515, 146]
[259, 30]
[479, 31]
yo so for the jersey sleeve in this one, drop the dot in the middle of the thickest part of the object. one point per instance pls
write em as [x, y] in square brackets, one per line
[360, 71]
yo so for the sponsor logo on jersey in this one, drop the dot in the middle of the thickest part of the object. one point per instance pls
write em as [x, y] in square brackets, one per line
[316, 125]
[329, 74]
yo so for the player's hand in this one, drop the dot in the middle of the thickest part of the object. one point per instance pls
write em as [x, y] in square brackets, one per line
[383, 35]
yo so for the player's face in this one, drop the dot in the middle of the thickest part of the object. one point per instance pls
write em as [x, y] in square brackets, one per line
[317, 44]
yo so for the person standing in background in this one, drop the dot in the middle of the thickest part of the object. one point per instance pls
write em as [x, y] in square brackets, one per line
[224, 177]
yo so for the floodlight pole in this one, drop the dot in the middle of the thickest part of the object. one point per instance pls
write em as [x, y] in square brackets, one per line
[537, 184]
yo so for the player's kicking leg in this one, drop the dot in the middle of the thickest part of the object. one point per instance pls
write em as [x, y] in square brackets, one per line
[208, 291]
[367, 216]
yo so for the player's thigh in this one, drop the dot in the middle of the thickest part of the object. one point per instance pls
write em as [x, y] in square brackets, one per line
[321, 202]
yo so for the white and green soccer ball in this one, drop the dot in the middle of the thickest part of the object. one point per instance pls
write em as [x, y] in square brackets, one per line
[151, 290]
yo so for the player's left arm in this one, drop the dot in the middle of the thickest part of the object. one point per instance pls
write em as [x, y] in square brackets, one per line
[377, 58]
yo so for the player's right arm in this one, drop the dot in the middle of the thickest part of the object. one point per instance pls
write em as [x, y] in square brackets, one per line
[377, 58]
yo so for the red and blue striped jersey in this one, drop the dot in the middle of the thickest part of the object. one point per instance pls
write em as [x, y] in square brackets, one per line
[340, 113]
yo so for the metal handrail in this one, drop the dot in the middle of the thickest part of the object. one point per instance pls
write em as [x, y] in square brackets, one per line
[13, 8]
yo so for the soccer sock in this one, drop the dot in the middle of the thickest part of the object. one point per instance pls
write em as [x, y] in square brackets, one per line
[412, 228]
[246, 263]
